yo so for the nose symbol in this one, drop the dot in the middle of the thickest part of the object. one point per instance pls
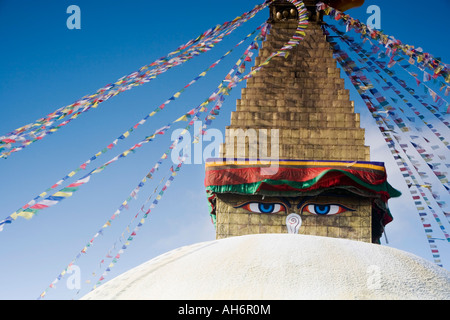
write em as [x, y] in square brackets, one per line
[293, 223]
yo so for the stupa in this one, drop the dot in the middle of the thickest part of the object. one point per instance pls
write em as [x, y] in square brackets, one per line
[297, 204]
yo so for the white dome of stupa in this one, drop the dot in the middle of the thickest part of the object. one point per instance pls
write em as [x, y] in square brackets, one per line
[280, 267]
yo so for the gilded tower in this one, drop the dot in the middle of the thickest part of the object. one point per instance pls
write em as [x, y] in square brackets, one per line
[294, 158]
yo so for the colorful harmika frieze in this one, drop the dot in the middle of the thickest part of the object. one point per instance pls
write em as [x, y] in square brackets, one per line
[331, 198]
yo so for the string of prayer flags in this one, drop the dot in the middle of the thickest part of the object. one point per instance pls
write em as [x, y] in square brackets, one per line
[401, 123]
[132, 195]
[440, 101]
[371, 61]
[345, 59]
[214, 111]
[357, 78]
[133, 233]
[393, 46]
[218, 96]
[215, 96]
[27, 212]
[22, 137]
[117, 212]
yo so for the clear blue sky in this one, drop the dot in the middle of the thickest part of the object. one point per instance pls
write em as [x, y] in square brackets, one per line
[44, 66]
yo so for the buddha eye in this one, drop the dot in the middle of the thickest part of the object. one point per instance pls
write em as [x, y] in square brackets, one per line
[325, 209]
[263, 207]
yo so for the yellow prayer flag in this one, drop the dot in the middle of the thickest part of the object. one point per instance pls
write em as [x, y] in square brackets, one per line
[63, 194]
[14, 215]
[72, 173]
[26, 215]
[183, 118]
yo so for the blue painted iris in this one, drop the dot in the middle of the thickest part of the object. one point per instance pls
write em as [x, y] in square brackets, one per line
[325, 209]
[322, 208]
[266, 207]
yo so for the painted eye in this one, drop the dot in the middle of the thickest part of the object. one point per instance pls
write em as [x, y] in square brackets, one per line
[325, 209]
[262, 207]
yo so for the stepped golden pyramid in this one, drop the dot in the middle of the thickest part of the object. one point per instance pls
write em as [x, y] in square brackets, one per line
[301, 100]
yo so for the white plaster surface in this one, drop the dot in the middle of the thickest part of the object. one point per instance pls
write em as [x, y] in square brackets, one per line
[280, 267]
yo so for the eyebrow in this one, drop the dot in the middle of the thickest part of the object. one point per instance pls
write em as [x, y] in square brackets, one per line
[302, 202]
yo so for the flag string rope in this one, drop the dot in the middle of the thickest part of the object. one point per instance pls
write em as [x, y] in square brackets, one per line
[344, 62]
[233, 82]
[427, 157]
[399, 120]
[435, 97]
[109, 254]
[390, 110]
[125, 135]
[29, 211]
[357, 78]
[210, 38]
[350, 63]
[201, 108]
[411, 91]
[393, 46]
[389, 71]
[217, 95]
[122, 206]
